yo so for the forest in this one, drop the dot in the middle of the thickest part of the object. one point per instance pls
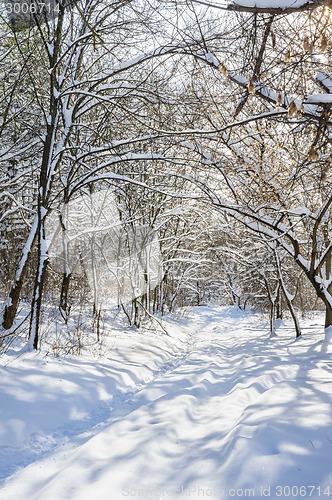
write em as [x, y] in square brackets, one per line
[155, 155]
[166, 249]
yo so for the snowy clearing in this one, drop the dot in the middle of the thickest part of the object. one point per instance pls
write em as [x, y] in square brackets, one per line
[216, 409]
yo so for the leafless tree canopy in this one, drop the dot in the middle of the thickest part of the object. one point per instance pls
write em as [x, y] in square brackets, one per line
[208, 123]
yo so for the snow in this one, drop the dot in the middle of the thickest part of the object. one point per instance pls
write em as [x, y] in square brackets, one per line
[212, 59]
[324, 80]
[216, 409]
[27, 247]
[328, 334]
[319, 98]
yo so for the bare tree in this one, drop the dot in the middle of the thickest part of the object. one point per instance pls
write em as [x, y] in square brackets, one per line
[266, 155]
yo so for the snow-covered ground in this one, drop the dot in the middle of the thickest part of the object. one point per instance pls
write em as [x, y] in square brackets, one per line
[216, 409]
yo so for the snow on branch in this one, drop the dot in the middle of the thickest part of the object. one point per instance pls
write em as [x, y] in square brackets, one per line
[324, 81]
[321, 99]
[294, 107]
[265, 6]
[275, 6]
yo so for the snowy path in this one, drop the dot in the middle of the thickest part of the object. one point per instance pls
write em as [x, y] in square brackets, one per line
[233, 414]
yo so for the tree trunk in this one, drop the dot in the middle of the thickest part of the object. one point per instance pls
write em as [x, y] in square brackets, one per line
[272, 319]
[287, 295]
[328, 316]
[64, 306]
[21, 272]
[278, 304]
[294, 316]
[289, 302]
[137, 316]
[328, 307]
[38, 288]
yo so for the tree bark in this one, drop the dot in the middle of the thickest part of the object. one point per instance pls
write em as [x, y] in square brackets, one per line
[278, 304]
[294, 316]
[64, 306]
[328, 308]
[21, 273]
[328, 316]
[38, 287]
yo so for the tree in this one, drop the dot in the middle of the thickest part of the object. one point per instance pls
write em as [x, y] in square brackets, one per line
[218, 100]
[269, 151]
[94, 95]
